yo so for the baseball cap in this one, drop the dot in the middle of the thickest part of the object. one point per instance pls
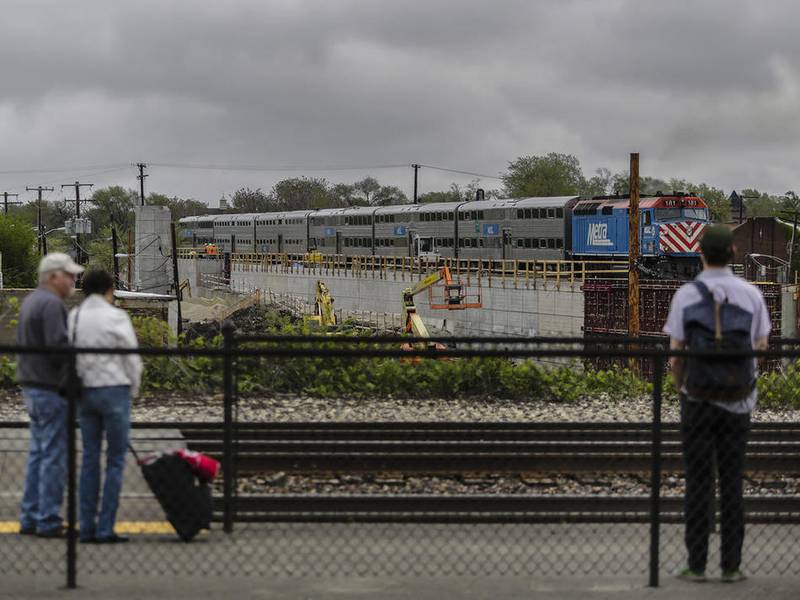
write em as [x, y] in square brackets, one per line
[58, 261]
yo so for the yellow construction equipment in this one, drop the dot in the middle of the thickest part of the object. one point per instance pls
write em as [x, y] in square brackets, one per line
[185, 285]
[455, 298]
[323, 307]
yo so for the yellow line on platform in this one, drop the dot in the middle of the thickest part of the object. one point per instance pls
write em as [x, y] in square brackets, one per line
[122, 527]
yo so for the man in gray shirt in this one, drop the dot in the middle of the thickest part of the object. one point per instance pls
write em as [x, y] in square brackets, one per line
[43, 323]
[712, 429]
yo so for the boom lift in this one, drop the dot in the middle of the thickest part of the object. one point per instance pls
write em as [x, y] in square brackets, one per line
[455, 298]
[323, 307]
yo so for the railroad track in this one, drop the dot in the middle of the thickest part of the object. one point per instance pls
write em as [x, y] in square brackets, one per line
[485, 509]
[447, 448]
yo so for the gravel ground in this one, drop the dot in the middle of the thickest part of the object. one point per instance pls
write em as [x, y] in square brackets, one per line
[177, 407]
[182, 406]
[534, 484]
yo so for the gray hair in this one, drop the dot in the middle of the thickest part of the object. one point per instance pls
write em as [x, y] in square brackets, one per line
[45, 277]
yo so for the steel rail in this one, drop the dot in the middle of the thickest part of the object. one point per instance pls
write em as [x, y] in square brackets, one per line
[521, 508]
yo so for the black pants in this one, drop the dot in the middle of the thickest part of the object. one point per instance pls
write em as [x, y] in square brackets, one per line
[710, 431]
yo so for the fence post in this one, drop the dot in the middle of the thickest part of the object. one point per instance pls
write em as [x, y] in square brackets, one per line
[655, 473]
[72, 534]
[227, 451]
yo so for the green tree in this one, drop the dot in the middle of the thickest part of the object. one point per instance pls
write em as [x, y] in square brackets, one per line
[790, 201]
[550, 175]
[112, 207]
[178, 207]
[372, 193]
[250, 201]
[458, 193]
[758, 204]
[18, 247]
[300, 193]
[99, 249]
[440, 196]
[718, 205]
[598, 185]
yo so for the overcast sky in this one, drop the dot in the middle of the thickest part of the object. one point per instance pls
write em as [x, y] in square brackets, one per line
[705, 90]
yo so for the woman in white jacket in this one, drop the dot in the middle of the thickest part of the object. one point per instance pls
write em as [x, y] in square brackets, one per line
[109, 383]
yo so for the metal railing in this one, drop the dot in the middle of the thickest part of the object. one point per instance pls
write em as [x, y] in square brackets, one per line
[510, 447]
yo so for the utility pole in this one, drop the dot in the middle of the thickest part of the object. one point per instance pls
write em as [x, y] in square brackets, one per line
[175, 277]
[141, 177]
[416, 177]
[114, 250]
[77, 200]
[633, 249]
[6, 202]
[794, 214]
[42, 246]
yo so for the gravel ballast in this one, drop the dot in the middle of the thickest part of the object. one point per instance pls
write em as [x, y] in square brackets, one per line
[286, 407]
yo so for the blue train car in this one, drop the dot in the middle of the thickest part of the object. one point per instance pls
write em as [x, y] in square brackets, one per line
[669, 234]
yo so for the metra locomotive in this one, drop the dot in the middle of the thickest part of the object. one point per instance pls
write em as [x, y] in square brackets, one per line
[563, 227]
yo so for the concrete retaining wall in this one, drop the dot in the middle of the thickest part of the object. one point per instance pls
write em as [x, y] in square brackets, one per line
[544, 310]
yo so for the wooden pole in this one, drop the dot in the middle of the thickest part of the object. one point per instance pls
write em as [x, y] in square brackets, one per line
[633, 249]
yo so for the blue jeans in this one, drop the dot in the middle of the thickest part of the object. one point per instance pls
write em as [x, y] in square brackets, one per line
[103, 409]
[47, 460]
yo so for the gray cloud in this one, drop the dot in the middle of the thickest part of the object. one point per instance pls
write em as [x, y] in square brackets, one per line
[705, 90]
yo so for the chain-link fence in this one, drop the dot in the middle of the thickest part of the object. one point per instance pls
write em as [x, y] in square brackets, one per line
[493, 457]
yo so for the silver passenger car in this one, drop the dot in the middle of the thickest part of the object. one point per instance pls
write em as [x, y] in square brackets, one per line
[282, 232]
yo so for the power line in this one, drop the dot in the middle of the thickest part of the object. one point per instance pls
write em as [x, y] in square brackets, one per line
[481, 175]
[61, 169]
[211, 167]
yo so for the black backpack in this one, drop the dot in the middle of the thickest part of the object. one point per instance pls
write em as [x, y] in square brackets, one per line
[710, 325]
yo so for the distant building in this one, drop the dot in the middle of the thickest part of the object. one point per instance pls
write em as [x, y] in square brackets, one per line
[738, 209]
[767, 236]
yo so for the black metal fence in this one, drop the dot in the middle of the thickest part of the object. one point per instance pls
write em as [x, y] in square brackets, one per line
[341, 487]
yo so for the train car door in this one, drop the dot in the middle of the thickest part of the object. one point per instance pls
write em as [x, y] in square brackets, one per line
[280, 243]
[233, 243]
[338, 242]
[506, 241]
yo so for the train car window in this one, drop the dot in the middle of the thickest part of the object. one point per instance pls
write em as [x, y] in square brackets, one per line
[559, 213]
[607, 210]
[551, 243]
[551, 213]
[520, 242]
[480, 242]
[480, 215]
[542, 243]
[648, 217]
[695, 213]
[559, 242]
[662, 214]
[438, 216]
[520, 213]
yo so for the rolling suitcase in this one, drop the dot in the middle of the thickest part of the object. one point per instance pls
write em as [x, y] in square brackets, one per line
[186, 500]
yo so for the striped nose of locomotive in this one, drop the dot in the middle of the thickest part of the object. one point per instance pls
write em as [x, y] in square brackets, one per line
[680, 238]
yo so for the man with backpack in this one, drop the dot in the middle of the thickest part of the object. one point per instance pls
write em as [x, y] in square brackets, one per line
[720, 312]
